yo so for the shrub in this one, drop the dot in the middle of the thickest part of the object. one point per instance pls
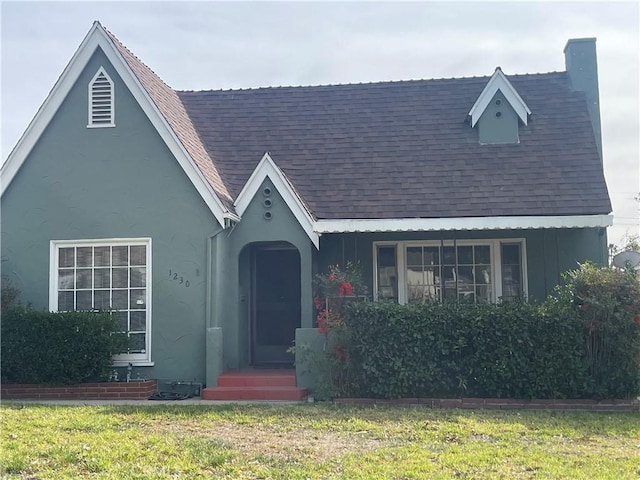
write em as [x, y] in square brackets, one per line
[8, 295]
[334, 291]
[582, 342]
[488, 350]
[606, 301]
[58, 348]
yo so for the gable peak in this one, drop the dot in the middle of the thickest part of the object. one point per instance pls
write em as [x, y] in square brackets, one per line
[499, 81]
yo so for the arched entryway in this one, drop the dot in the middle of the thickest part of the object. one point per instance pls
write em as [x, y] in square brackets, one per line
[274, 302]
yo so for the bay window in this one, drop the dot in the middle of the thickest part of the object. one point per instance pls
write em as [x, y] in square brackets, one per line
[464, 270]
[107, 275]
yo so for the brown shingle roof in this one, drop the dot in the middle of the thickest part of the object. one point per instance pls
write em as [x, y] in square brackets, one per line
[170, 106]
[404, 149]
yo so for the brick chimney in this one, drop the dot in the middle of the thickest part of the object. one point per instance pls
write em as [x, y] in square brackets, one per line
[582, 67]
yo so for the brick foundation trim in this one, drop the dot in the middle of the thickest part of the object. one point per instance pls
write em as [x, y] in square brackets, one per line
[500, 403]
[82, 391]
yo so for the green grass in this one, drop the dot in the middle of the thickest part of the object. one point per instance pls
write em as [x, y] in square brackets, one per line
[313, 442]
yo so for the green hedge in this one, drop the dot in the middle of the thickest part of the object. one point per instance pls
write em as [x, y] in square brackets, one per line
[58, 348]
[509, 350]
[504, 350]
[606, 302]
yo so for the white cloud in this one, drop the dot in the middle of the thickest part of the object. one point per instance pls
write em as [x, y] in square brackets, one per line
[209, 45]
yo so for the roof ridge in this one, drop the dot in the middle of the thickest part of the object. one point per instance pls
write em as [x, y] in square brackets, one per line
[172, 108]
[373, 83]
[117, 40]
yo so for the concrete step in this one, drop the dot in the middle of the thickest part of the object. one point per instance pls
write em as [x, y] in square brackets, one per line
[254, 393]
[258, 378]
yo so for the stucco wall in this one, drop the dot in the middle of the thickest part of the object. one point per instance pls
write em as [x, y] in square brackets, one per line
[232, 293]
[122, 182]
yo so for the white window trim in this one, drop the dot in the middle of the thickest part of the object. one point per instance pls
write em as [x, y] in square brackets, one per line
[138, 359]
[90, 123]
[496, 262]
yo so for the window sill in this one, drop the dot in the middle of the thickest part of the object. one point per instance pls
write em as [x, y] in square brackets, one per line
[135, 363]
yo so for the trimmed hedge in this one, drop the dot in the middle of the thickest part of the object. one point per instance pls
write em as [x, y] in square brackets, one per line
[58, 348]
[606, 302]
[503, 351]
[508, 350]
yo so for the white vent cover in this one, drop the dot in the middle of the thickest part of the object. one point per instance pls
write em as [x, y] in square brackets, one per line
[101, 100]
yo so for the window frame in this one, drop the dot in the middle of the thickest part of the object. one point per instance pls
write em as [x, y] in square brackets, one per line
[137, 359]
[112, 117]
[494, 244]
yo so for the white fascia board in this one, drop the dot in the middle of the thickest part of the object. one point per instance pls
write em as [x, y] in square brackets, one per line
[267, 168]
[46, 111]
[462, 223]
[499, 81]
[97, 37]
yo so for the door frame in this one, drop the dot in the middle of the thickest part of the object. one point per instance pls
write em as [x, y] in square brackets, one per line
[278, 360]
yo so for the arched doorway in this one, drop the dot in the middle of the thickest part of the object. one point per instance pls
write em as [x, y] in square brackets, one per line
[275, 302]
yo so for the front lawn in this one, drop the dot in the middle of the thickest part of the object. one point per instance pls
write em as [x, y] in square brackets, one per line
[313, 442]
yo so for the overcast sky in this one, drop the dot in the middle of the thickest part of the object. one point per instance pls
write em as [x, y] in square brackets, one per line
[213, 45]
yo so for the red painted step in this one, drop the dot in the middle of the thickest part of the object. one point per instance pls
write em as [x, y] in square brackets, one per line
[258, 378]
[254, 393]
[256, 384]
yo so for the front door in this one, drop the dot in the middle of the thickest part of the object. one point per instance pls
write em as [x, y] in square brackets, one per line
[275, 305]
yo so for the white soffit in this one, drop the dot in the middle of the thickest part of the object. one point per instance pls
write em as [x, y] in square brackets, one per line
[499, 81]
[462, 223]
[97, 37]
[267, 168]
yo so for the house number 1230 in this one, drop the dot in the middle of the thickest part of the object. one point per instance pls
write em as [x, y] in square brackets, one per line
[178, 278]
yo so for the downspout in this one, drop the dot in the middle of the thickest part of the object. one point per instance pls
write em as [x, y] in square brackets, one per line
[214, 357]
[441, 267]
[456, 270]
[558, 274]
[544, 261]
[209, 300]
[604, 252]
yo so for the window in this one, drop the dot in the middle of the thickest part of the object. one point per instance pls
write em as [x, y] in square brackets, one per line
[387, 273]
[511, 255]
[466, 270]
[101, 101]
[109, 275]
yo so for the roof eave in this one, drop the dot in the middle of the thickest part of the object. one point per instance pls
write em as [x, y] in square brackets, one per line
[461, 223]
[267, 168]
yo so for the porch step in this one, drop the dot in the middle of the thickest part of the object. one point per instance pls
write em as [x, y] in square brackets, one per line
[256, 384]
[254, 393]
[258, 378]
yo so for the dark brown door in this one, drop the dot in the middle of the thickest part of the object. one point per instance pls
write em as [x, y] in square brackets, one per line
[276, 305]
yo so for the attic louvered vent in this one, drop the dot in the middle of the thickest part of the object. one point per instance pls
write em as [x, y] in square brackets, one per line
[101, 101]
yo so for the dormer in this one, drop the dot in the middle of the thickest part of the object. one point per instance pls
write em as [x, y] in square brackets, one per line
[498, 111]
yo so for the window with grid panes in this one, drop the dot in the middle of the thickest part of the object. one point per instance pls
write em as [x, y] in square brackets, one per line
[460, 272]
[110, 277]
[466, 270]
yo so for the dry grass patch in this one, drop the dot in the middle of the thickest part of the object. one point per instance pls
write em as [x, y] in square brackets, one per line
[278, 443]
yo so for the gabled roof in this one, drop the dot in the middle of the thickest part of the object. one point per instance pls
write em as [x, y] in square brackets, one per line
[267, 168]
[398, 150]
[160, 103]
[168, 103]
[387, 156]
[499, 81]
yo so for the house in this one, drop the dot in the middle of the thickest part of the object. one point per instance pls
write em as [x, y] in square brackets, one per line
[201, 217]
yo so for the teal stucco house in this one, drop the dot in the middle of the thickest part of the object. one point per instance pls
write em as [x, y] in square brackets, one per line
[201, 217]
